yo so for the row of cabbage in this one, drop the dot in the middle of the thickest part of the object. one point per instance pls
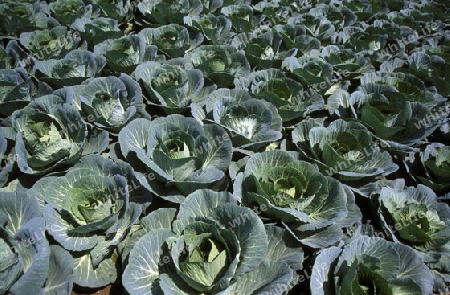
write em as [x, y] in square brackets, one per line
[225, 147]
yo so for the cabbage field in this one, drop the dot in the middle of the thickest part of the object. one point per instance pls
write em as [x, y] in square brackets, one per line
[178, 147]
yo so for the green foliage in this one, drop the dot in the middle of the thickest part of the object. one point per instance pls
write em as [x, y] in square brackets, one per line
[225, 147]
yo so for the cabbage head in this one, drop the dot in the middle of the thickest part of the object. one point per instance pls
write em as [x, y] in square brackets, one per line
[343, 149]
[251, 122]
[49, 133]
[89, 210]
[182, 154]
[211, 246]
[370, 266]
[312, 206]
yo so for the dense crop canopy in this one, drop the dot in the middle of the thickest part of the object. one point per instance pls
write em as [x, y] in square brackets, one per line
[225, 147]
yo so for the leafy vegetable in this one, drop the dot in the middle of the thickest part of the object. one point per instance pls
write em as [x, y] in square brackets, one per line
[171, 86]
[109, 102]
[312, 206]
[211, 245]
[288, 95]
[173, 40]
[18, 88]
[50, 43]
[88, 211]
[74, 68]
[224, 147]
[370, 265]
[344, 150]
[125, 53]
[183, 154]
[221, 64]
[25, 251]
[49, 133]
[251, 122]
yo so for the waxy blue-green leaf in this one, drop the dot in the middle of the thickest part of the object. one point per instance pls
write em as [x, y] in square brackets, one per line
[18, 89]
[34, 255]
[86, 275]
[21, 17]
[286, 94]
[60, 273]
[414, 216]
[296, 193]
[216, 28]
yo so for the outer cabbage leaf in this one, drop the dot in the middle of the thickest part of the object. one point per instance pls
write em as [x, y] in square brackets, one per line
[24, 248]
[120, 10]
[431, 167]
[279, 11]
[109, 102]
[288, 95]
[169, 12]
[348, 62]
[67, 11]
[269, 278]
[294, 36]
[216, 28]
[373, 41]
[97, 30]
[433, 69]
[263, 49]
[316, 26]
[210, 6]
[20, 17]
[413, 216]
[18, 88]
[311, 70]
[7, 155]
[408, 85]
[339, 15]
[365, 10]
[158, 219]
[13, 56]
[436, 159]
[400, 123]
[60, 274]
[241, 17]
